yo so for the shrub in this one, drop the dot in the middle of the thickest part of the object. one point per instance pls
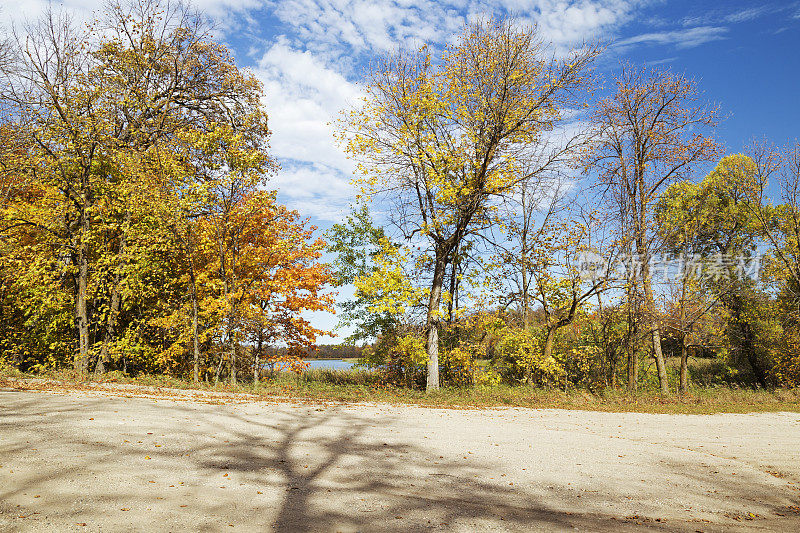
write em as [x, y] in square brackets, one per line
[458, 366]
[519, 357]
[401, 359]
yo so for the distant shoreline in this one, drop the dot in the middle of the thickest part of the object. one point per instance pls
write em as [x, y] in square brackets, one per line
[348, 359]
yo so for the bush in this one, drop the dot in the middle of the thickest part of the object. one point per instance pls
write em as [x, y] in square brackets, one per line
[401, 360]
[581, 365]
[457, 366]
[519, 357]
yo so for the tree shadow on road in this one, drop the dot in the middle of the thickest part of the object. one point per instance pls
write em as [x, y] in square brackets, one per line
[287, 468]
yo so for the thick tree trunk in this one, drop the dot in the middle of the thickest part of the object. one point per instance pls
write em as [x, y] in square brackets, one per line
[548, 342]
[432, 322]
[661, 367]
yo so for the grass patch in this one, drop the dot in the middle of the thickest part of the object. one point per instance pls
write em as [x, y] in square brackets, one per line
[365, 386]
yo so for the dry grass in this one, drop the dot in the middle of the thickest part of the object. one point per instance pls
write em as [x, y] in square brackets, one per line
[365, 386]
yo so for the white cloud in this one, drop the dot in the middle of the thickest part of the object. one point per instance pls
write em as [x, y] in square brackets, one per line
[308, 72]
[226, 14]
[304, 73]
[362, 26]
[303, 95]
[312, 188]
[747, 14]
[661, 61]
[687, 38]
[720, 16]
[22, 12]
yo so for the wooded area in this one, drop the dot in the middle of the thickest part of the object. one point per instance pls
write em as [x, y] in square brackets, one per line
[137, 234]
[514, 223]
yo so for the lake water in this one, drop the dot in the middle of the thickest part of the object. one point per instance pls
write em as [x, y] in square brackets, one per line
[333, 364]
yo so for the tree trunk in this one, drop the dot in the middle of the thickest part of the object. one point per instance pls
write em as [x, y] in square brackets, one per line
[81, 306]
[526, 313]
[233, 358]
[548, 342]
[257, 363]
[613, 362]
[432, 321]
[661, 367]
[684, 379]
[219, 367]
[655, 328]
[453, 281]
[684, 386]
[195, 339]
[630, 346]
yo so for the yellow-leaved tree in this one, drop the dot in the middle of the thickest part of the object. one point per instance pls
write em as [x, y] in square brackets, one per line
[443, 138]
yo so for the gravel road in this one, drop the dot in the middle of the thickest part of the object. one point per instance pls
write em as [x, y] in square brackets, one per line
[106, 462]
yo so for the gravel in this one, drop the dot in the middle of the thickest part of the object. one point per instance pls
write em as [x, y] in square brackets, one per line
[105, 461]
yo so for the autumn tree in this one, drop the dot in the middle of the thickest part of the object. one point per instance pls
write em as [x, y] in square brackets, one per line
[444, 138]
[281, 279]
[779, 224]
[97, 104]
[687, 214]
[649, 133]
[567, 268]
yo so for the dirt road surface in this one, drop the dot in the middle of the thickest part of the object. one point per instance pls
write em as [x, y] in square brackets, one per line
[85, 461]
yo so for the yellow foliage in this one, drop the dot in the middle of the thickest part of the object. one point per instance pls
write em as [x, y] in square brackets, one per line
[520, 354]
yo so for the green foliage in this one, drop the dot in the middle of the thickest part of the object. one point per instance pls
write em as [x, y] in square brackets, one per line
[401, 359]
[358, 245]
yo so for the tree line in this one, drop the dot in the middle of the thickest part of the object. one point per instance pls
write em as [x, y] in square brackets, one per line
[532, 222]
[136, 232]
[533, 228]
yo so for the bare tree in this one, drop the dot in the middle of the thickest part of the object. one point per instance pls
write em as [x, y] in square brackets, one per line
[649, 134]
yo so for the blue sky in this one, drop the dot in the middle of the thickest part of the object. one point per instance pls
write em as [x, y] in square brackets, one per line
[311, 56]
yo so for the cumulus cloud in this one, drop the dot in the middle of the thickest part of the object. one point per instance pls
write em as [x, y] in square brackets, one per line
[303, 96]
[311, 70]
[314, 189]
[309, 75]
